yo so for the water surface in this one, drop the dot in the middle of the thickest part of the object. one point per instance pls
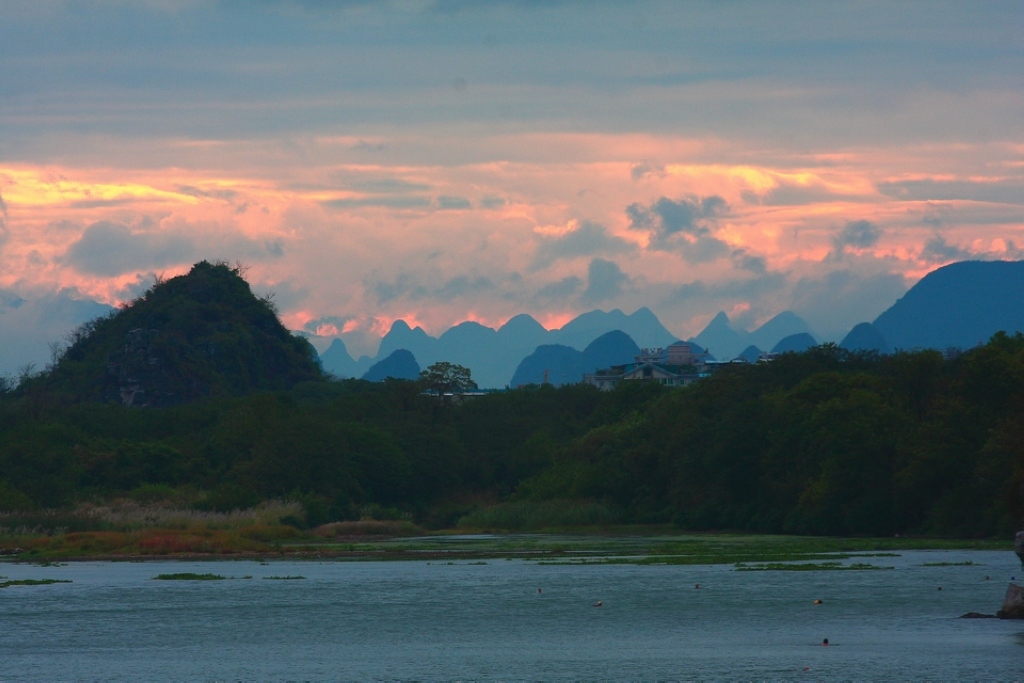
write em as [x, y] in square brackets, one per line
[466, 621]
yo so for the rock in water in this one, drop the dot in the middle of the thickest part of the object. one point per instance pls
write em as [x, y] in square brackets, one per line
[1018, 543]
[1013, 603]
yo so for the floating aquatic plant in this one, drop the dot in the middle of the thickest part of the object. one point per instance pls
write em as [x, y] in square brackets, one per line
[189, 576]
[31, 582]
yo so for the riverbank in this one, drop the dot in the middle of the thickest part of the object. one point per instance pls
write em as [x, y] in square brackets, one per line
[609, 545]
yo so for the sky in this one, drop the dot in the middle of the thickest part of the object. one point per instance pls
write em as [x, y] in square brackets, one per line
[439, 162]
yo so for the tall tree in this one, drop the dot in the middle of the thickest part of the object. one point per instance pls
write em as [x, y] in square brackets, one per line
[446, 378]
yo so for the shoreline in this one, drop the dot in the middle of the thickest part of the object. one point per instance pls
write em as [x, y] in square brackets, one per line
[633, 546]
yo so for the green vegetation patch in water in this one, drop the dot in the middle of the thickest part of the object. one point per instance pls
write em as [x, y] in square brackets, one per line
[284, 578]
[968, 563]
[806, 567]
[31, 582]
[189, 576]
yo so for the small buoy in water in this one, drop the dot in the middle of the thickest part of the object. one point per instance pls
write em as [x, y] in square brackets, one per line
[824, 642]
[817, 602]
[807, 668]
[940, 587]
[696, 585]
[540, 590]
[986, 578]
[598, 604]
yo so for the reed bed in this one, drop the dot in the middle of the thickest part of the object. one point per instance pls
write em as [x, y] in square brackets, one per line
[129, 515]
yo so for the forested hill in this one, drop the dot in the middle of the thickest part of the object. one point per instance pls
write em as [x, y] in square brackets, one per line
[823, 442]
[197, 335]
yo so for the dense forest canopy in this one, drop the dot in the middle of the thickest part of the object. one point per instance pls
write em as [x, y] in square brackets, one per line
[822, 442]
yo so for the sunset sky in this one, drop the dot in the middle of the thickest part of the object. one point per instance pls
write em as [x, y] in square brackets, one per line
[448, 161]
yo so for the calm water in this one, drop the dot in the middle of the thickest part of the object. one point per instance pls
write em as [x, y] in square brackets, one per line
[414, 620]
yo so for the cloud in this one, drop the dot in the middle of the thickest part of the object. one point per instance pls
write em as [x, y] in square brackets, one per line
[641, 171]
[386, 186]
[191, 191]
[586, 240]
[396, 202]
[3, 221]
[857, 234]
[605, 280]
[938, 250]
[748, 288]
[683, 226]
[403, 286]
[796, 194]
[110, 249]
[9, 299]
[409, 286]
[328, 325]
[364, 146]
[29, 325]
[446, 202]
[561, 290]
[840, 299]
[994, 191]
[744, 261]
[492, 202]
[461, 286]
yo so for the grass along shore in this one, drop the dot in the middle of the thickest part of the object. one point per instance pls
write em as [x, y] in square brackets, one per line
[134, 533]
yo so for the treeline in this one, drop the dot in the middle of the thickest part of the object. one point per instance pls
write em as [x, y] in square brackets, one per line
[822, 442]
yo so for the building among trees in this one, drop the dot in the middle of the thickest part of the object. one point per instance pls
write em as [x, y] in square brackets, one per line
[677, 365]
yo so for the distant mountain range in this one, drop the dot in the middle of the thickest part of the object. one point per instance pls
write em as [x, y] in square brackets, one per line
[494, 355]
[724, 342]
[959, 305]
[558, 364]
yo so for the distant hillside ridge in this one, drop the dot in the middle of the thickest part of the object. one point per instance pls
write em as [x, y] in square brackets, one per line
[494, 355]
[725, 343]
[192, 336]
[960, 305]
[399, 365]
[565, 365]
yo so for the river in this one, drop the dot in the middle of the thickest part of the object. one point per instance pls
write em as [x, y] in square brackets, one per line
[510, 620]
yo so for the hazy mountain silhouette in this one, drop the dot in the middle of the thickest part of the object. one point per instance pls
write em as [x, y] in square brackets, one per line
[337, 361]
[399, 365]
[725, 342]
[401, 336]
[566, 365]
[493, 356]
[772, 332]
[642, 326]
[959, 305]
[751, 354]
[795, 342]
[865, 337]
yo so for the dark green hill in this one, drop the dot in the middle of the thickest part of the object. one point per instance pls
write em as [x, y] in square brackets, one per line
[196, 335]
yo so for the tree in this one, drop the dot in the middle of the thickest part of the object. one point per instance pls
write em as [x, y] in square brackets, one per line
[447, 378]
